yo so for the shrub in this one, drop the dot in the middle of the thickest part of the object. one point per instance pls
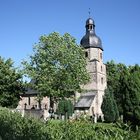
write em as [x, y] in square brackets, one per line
[15, 127]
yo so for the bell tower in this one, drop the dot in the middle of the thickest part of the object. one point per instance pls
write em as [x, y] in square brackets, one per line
[93, 49]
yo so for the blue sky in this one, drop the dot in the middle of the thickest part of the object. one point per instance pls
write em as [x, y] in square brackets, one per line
[117, 22]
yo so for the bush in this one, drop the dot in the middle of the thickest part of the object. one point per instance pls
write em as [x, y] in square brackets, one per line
[15, 127]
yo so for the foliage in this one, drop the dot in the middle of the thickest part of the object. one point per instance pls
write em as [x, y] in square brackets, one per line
[124, 83]
[131, 95]
[58, 65]
[113, 82]
[10, 83]
[109, 107]
[15, 127]
[65, 107]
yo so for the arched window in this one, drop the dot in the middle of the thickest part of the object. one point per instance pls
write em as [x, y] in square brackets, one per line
[90, 27]
[86, 54]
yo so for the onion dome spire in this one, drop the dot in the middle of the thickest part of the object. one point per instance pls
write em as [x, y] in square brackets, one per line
[91, 40]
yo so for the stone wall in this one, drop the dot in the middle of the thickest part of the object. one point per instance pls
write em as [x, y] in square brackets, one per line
[32, 102]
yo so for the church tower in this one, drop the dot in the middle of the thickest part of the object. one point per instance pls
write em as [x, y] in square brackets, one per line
[94, 54]
[93, 50]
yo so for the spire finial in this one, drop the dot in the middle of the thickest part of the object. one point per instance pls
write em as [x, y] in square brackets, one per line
[89, 12]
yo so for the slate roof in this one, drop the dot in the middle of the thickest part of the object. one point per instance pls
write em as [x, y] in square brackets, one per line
[85, 101]
[29, 91]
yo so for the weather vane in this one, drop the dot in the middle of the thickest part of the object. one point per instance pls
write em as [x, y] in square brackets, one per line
[89, 12]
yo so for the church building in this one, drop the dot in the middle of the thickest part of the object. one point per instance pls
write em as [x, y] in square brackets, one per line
[90, 100]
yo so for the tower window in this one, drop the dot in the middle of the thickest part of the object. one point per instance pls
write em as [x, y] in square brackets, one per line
[86, 54]
[101, 56]
[101, 68]
[90, 27]
[102, 80]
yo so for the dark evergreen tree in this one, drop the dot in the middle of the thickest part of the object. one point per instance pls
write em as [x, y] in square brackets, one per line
[115, 76]
[113, 82]
[109, 107]
[65, 107]
[124, 84]
[131, 95]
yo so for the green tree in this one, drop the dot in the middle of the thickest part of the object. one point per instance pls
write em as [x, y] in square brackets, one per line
[65, 107]
[131, 95]
[109, 107]
[114, 78]
[113, 75]
[58, 65]
[10, 84]
[124, 83]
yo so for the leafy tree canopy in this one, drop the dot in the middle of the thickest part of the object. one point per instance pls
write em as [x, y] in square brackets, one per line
[10, 83]
[57, 65]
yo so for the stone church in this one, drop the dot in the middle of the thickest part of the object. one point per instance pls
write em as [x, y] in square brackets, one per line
[91, 99]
